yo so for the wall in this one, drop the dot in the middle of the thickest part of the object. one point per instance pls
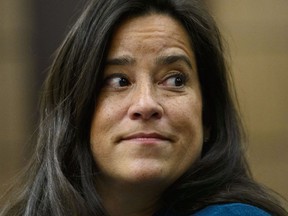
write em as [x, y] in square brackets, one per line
[257, 34]
[16, 75]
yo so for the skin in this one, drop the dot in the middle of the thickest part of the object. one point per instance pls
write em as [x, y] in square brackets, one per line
[147, 127]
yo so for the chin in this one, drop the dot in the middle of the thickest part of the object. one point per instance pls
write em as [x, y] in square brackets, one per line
[152, 174]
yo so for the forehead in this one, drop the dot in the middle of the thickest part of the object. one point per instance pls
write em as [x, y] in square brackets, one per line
[156, 32]
[148, 23]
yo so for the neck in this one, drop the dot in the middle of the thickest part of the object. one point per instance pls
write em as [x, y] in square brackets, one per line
[129, 199]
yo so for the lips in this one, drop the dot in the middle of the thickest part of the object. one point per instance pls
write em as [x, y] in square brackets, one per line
[145, 137]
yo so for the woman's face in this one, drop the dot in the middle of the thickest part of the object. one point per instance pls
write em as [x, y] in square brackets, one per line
[147, 126]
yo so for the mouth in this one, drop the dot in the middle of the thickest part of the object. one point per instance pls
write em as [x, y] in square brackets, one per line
[145, 138]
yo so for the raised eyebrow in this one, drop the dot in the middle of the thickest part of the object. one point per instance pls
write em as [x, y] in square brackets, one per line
[122, 60]
[170, 59]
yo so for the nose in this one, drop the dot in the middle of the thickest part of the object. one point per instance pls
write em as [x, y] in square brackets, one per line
[144, 104]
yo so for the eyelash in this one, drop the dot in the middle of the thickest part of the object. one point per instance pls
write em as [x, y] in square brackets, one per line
[111, 82]
[182, 76]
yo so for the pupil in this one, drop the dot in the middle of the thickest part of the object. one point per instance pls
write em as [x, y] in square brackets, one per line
[123, 82]
[178, 81]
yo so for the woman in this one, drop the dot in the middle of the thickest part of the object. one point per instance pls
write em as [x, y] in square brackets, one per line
[138, 119]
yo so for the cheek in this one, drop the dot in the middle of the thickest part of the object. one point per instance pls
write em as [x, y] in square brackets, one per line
[185, 117]
[187, 109]
[108, 111]
[102, 115]
[108, 114]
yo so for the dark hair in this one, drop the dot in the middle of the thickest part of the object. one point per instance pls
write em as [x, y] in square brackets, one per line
[59, 179]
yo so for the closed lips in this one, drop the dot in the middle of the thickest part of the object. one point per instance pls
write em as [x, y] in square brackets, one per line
[145, 136]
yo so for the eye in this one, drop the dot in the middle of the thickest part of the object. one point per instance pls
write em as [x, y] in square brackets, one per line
[175, 80]
[117, 81]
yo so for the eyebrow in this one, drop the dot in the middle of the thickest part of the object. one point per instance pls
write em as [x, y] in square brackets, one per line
[170, 59]
[162, 60]
[123, 60]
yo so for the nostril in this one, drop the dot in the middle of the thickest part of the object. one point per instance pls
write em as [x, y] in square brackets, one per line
[156, 115]
[137, 115]
[145, 109]
[146, 115]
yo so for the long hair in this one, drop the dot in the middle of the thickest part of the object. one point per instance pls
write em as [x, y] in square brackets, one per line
[59, 180]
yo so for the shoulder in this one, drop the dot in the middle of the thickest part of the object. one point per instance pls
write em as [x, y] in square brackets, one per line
[232, 209]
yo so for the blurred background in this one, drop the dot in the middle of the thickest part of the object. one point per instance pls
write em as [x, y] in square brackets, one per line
[256, 32]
